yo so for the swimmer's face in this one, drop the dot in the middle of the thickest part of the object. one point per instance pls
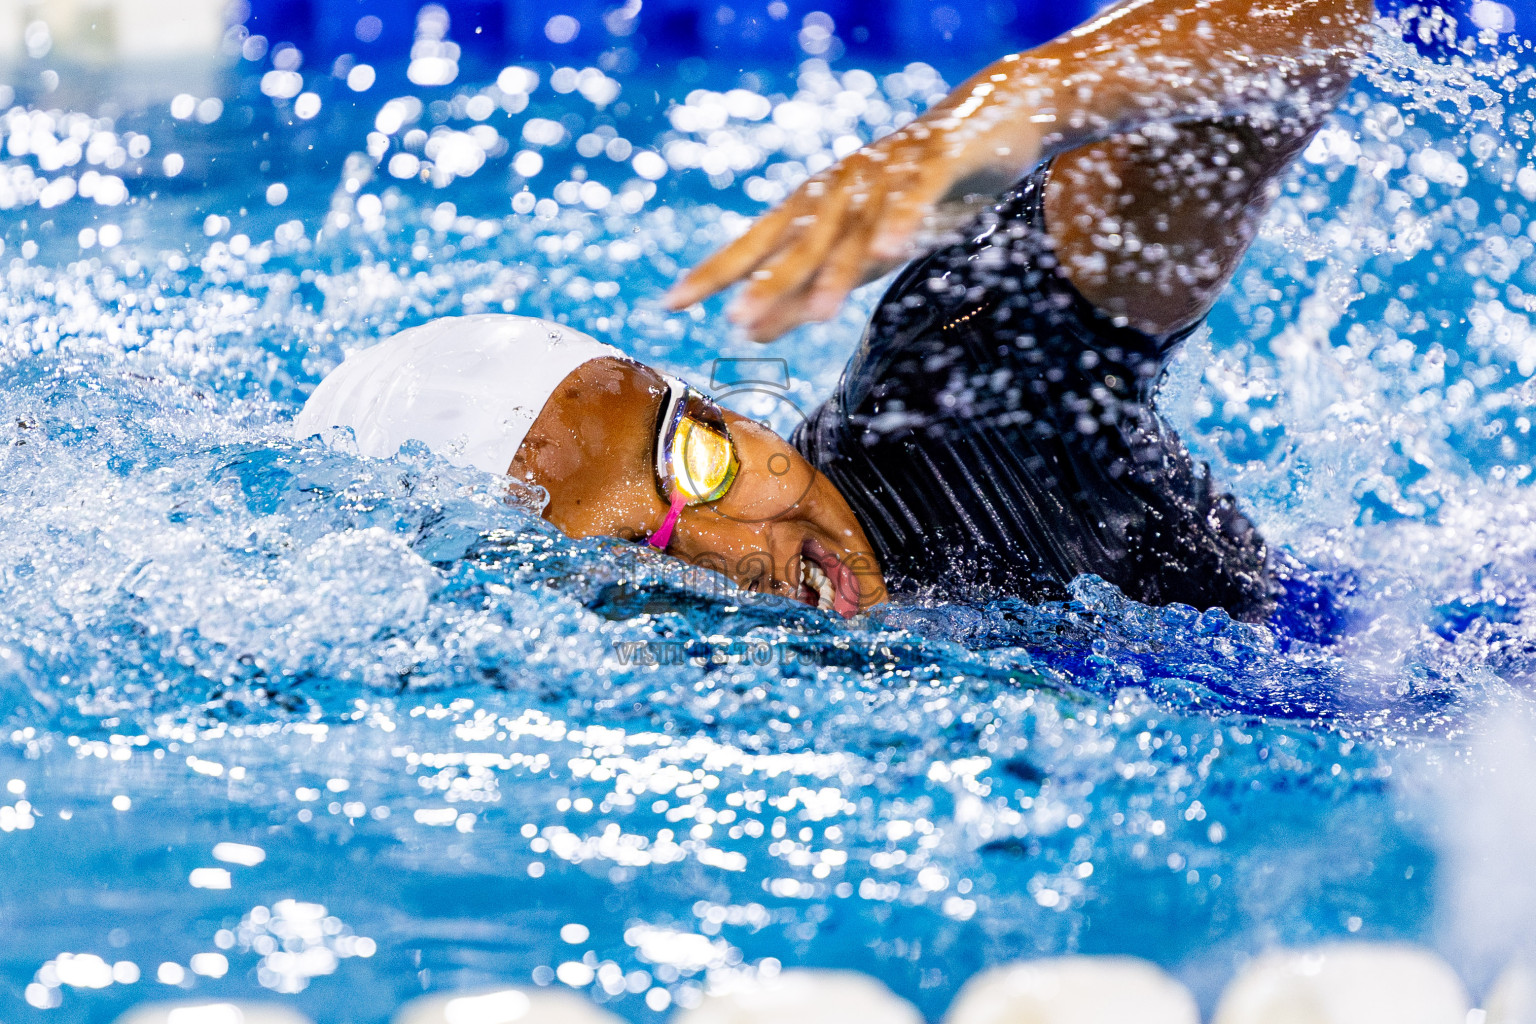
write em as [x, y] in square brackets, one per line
[779, 529]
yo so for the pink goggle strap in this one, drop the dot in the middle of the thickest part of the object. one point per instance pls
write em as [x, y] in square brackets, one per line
[662, 537]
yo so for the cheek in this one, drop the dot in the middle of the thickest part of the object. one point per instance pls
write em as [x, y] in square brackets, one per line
[622, 509]
[739, 550]
[553, 464]
[573, 457]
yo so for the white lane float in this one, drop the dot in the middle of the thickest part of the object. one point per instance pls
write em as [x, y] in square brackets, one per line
[1353, 983]
[803, 997]
[504, 1005]
[212, 1011]
[1074, 990]
[1512, 1000]
[1341, 983]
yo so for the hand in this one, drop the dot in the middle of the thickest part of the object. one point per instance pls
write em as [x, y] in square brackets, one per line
[854, 221]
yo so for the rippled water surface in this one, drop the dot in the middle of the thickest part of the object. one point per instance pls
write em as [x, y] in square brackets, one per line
[280, 718]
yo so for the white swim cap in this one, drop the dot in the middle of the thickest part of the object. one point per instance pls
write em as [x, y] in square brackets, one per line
[468, 387]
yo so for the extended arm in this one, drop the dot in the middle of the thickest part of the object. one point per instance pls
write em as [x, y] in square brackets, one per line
[1259, 74]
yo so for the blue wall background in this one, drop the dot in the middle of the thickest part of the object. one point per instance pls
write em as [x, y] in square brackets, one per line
[499, 30]
[745, 33]
[751, 31]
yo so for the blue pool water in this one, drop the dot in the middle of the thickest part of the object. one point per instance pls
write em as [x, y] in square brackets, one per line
[281, 719]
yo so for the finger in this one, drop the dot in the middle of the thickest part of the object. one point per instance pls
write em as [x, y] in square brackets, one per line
[781, 317]
[846, 267]
[904, 214]
[820, 295]
[737, 259]
[795, 265]
[773, 232]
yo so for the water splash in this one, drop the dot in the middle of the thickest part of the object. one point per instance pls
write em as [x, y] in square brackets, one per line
[458, 732]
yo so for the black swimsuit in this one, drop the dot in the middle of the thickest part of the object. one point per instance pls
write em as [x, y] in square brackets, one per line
[994, 434]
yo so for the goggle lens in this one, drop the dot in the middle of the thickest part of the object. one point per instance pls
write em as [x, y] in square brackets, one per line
[695, 456]
[703, 461]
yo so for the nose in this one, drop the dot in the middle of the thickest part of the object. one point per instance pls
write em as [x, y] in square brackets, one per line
[754, 571]
[773, 480]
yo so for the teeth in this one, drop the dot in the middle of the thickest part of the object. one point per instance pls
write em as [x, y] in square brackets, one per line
[813, 577]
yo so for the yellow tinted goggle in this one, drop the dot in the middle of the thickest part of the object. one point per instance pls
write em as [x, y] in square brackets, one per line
[695, 456]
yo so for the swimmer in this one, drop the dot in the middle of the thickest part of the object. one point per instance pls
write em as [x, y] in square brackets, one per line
[621, 449]
[1071, 214]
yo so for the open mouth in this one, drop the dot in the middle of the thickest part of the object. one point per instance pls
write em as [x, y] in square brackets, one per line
[816, 588]
[823, 579]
